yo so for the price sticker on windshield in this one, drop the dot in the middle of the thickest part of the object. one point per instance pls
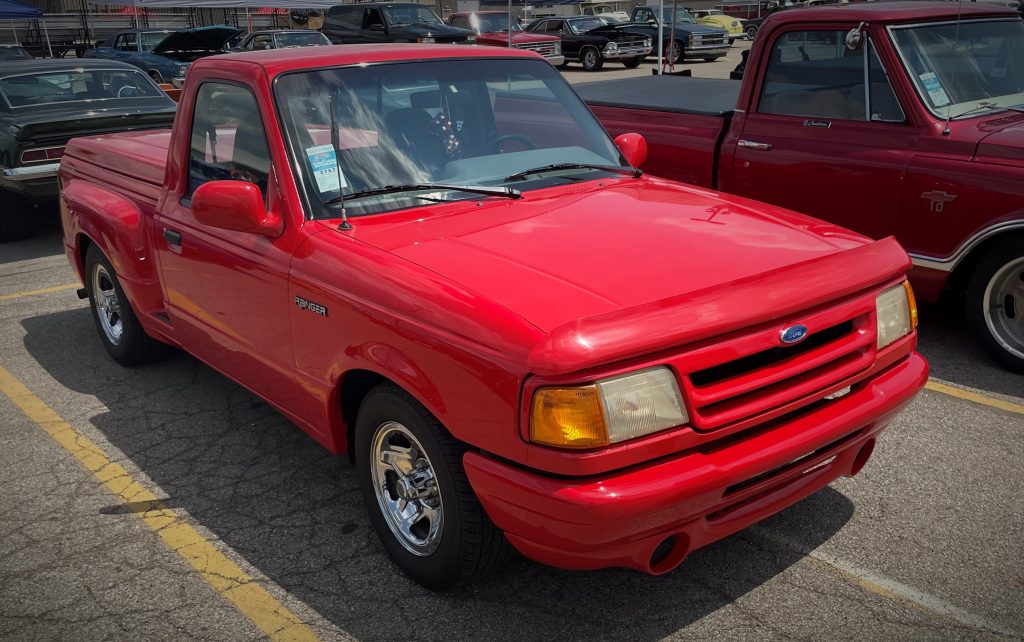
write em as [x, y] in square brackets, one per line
[324, 162]
[934, 88]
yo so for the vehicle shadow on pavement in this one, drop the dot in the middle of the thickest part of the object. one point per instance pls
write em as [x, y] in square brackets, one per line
[954, 355]
[45, 241]
[295, 513]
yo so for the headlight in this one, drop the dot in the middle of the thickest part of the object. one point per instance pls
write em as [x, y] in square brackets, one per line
[182, 70]
[647, 42]
[611, 46]
[558, 48]
[735, 24]
[608, 411]
[471, 40]
[896, 310]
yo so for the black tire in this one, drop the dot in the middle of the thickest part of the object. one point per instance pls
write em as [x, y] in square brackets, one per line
[156, 76]
[133, 346]
[470, 546]
[995, 303]
[591, 59]
[16, 218]
[633, 63]
[751, 32]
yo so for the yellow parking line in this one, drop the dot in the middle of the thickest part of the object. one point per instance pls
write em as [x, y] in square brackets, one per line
[56, 288]
[230, 581]
[969, 395]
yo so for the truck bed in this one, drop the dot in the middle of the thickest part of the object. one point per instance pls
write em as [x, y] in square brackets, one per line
[682, 95]
[138, 156]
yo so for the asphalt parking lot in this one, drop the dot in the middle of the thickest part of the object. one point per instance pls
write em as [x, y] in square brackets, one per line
[166, 502]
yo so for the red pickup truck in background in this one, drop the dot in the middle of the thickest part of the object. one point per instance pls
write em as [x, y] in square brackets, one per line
[886, 118]
[435, 259]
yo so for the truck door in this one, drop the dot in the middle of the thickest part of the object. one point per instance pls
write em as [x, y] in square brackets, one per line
[821, 141]
[226, 291]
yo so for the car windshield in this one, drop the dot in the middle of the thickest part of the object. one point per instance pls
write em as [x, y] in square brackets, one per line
[682, 16]
[406, 14]
[150, 39]
[583, 25]
[108, 85]
[474, 122]
[979, 69]
[300, 39]
[492, 22]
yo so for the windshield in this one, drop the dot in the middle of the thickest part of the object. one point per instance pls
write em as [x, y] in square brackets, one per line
[107, 85]
[584, 25]
[404, 14]
[464, 122]
[682, 16]
[150, 39]
[300, 39]
[492, 22]
[980, 68]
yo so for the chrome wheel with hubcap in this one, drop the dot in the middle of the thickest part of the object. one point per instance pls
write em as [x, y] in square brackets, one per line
[1004, 307]
[108, 306]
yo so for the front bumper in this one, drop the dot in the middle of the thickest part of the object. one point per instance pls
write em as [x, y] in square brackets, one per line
[694, 498]
[625, 52]
[555, 60]
[178, 83]
[701, 51]
[30, 172]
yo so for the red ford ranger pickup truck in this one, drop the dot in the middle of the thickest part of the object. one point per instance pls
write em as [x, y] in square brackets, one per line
[886, 118]
[435, 259]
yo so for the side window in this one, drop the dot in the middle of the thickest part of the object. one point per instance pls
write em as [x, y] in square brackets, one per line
[460, 21]
[553, 26]
[346, 17]
[643, 15]
[373, 17]
[813, 74]
[262, 41]
[228, 140]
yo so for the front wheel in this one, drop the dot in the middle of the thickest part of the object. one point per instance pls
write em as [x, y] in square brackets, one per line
[119, 329]
[591, 59]
[995, 304]
[416, 492]
[633, 63]
[673, 53]
[751, 32]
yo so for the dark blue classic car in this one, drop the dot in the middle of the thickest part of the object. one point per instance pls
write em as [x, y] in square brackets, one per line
[43, 104]
[165, 55]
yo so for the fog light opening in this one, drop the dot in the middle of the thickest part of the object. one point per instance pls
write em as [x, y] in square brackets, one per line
[669, 553]
[862, 457]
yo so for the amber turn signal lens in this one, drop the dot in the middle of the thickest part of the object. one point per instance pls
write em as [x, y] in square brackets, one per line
[568, 418]
[912, 302]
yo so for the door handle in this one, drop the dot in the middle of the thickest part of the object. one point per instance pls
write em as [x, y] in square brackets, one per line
[749, 144]
[173, 237]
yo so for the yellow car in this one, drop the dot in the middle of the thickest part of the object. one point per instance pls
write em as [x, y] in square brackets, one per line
[715, 18]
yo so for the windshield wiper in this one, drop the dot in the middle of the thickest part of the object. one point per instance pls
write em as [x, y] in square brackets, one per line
[518, 176]
[984, 106]
[507, 192]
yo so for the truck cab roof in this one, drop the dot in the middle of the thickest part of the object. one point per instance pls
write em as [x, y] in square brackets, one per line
[893, 12]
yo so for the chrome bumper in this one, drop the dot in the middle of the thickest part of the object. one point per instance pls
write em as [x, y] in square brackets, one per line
[627, 52]
[30, 172]
[696, 51]
[178, 83]
[555, 60]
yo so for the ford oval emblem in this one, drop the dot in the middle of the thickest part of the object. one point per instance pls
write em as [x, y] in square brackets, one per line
[793, 334]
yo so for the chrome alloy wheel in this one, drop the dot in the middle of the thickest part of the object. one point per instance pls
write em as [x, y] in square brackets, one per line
[1004, 307]
[406, 489]
[108, 306]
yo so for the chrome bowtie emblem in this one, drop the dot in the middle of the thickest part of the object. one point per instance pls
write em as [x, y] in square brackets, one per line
[793, 334]
[938, 199]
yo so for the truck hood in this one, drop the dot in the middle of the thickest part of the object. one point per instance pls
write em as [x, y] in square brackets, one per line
[518, 38]
[199, 39]
[563, 254]
[1005, 146]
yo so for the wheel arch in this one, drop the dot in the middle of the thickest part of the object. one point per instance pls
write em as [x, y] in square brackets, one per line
[961, 273]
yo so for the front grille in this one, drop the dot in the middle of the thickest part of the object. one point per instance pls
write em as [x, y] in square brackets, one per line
[543, 48]
[707, 40]
[630, 43]
[754, 377]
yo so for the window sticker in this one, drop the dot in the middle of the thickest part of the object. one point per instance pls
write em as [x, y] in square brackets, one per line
[324, 162]
[934, 88]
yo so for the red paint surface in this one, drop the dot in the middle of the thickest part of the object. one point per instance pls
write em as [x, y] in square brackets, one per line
[866, 176]
[470, 307]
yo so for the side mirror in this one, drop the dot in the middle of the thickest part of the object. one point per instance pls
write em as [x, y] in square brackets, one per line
[633, 147]
[855, 36]
[235, 205]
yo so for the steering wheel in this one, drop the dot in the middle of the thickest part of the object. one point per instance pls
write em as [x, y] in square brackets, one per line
[126, 92]
[495, 145]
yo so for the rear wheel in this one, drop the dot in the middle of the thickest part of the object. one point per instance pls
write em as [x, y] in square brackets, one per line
[591, 59]
[673, 53]
[633, 63]
[118, 327]
[751, 31]
[155, 75]
[995, 304]
[417, 494]
[15, 218]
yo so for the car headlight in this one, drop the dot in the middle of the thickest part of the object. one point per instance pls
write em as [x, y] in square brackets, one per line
[558, 48]
[647, 42]
[607, 411]
[735, 24]
[471, 40]
[182, 70]
[896, 311]
[611, 46]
